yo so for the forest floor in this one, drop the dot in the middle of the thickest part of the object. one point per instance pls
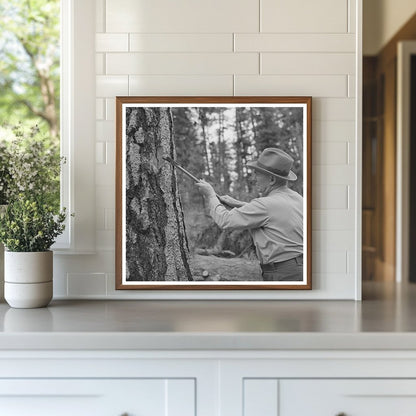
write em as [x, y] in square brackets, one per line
[225, 269]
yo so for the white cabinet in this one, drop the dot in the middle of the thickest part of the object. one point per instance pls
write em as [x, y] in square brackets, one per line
[207, 383]
[86, 397]
[350, 397]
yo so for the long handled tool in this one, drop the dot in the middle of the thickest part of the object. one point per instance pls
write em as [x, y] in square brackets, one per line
[177, 165]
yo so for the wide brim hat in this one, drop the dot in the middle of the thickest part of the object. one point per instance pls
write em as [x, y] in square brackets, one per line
[275, 162]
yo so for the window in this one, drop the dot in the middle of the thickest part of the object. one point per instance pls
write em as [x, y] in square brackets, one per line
[61, 101]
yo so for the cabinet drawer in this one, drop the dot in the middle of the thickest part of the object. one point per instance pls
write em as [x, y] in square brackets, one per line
[349, 397]
[86, 397]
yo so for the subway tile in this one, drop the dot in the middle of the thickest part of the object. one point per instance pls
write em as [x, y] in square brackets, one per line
[330, 153]
[333, 240]
[351, 153]
[332, 130]
[111, 86]
[60, 285]
[294, 42]
[309, 85]
[110, 109]
[330, 196]
[100, 152]
[105, 175]
[182, 64]
[333, 175]
[352, 16]
[351, 262]
[105, 196]
[300, 16]
[112, 42]
[105, 240]
[333, 262]
[110, 153]
[100, 15]
[351, 86]
[110, 219]
[335, 286]
[174, 42]
[181, 85]
[99, 64]
[100, 218]
[86, 284]
[307, 63]
[351, 197]
[182, 16]
[111, 284]
[105, 131]
[98, 262]
[340, 109]
[99, 109]
[333, 219]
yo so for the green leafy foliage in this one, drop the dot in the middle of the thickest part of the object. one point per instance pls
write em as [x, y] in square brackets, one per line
[5, 175]
[29, 183]
[29, 164]
[30, 63]
[30, 225]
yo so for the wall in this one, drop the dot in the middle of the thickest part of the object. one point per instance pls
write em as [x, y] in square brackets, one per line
[381, 20]
[234, 47]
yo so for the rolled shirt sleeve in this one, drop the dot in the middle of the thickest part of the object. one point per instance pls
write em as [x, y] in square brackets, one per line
[251, 215]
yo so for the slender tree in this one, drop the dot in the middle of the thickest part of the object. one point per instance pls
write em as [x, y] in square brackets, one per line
[243, 145]
[157, 246]
[29, 62]
[203, 121]
[189, 151]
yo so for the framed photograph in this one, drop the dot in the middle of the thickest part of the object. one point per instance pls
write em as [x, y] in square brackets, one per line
[213, 193]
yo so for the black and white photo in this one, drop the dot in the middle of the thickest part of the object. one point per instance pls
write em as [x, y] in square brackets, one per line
[213, 193]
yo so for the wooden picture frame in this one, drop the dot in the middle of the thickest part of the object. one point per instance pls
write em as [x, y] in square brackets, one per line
[167, 237]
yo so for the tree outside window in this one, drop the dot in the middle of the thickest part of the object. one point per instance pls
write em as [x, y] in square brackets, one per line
[30, 70]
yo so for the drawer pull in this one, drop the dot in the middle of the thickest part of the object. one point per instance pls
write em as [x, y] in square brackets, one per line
[341, 414]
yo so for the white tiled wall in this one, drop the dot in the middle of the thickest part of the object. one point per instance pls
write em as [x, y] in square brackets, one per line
[232, 47]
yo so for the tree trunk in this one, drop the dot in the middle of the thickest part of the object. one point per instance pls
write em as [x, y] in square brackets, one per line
[239, 166]
[156, 242]
[203, 121]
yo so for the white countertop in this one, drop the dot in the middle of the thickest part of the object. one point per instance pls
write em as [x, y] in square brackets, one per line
[385, 319]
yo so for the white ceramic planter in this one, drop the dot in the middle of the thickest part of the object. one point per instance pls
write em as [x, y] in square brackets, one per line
[28, 279]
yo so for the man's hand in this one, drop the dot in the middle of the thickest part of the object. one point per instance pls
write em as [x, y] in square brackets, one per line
[206, 189]
[231, 202]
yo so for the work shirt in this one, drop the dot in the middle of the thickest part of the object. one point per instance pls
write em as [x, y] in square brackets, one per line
[275, 222]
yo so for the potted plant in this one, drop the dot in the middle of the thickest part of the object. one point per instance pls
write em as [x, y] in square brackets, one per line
[28, 228]
[29, 181]
[5, 180]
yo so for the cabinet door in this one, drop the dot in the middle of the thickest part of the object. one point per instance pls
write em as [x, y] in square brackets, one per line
[86, 397]
[347, 397]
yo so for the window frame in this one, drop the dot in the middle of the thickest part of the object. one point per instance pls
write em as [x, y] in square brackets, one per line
[77, 98]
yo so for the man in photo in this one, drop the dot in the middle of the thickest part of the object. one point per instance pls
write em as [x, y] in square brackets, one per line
[275, 219]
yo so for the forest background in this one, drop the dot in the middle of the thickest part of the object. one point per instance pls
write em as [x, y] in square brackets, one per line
[30, 81]
[215, 143]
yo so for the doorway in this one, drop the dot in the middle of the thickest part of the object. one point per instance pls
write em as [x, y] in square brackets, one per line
[406, 152]
[386, 168]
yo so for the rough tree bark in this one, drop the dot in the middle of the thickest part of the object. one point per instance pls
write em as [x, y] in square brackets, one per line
[156, 243]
